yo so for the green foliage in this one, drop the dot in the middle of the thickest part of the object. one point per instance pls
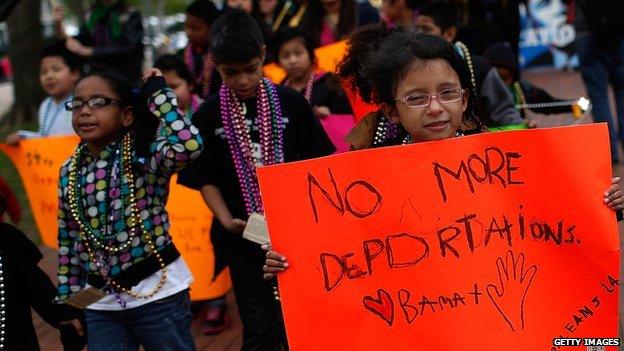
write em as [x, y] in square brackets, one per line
[171, 7]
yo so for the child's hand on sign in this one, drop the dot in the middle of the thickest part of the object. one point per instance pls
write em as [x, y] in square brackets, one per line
[13, 139]
[274, 263]
[321, 111]
[613, 197]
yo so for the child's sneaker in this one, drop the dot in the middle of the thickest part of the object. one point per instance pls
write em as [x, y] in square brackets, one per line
[216, 320]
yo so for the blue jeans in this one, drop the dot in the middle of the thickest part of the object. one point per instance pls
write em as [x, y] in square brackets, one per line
[599, 66]
[163, 325]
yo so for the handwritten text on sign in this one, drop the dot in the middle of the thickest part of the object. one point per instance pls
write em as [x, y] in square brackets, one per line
[483, 242]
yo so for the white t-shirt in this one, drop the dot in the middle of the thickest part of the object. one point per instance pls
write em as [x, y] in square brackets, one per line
[53, 120]
[179, 277]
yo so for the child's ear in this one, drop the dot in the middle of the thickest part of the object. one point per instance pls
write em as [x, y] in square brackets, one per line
[450, 34]
[391, 112]
[127, 116]
[75, 75]
[465, 98]
[263, 52]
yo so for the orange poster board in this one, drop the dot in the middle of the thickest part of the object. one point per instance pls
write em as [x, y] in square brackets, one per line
[499, 241]
[38, 162]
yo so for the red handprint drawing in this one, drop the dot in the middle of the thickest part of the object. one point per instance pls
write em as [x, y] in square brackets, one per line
[514, 285]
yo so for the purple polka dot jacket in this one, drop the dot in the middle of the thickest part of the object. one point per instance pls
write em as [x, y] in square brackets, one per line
[106, 208]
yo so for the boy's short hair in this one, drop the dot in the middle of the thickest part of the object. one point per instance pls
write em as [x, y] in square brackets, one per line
[287, 34]
[57, 48]
[204, 10]
[235, 37]
[173, 63]
[442, 12]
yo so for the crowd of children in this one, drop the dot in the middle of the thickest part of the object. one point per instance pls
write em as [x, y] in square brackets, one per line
[208, 114]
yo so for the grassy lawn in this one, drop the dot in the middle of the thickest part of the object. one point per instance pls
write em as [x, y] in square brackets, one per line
[9, 173]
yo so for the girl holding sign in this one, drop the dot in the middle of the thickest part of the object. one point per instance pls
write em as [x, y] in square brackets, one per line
[116, 258]
[421, 83]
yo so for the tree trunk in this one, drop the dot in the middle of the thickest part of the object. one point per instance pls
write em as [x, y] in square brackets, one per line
[25, 44]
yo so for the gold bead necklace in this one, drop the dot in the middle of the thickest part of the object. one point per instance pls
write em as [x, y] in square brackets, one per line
[86, 230]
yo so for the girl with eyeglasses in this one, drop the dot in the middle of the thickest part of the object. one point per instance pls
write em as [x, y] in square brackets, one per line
[420, 83]
[114, 246]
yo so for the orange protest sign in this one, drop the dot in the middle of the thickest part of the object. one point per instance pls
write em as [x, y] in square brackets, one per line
[274, 72]
[497, 241]
[327, 59]
[38, 162]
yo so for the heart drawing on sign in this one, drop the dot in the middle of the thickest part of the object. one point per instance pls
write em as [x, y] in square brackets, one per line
[382, 306]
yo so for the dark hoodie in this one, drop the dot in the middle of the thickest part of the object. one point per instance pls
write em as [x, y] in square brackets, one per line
[25, 286]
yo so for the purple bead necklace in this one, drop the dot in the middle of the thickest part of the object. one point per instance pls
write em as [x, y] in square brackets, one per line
[238, 135]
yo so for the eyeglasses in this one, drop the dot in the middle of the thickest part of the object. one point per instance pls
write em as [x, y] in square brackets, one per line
[93, 103]
[419, 100]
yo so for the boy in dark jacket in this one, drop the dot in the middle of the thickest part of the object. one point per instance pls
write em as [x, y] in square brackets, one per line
[23, 285]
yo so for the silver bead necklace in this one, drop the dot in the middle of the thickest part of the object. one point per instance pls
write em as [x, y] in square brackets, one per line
[408, 139]
[2, 307]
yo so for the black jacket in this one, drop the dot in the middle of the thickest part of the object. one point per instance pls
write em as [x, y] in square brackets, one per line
[26, 286]
[124, 54]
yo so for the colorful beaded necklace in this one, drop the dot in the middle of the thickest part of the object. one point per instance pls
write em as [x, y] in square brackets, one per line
[194, 104]
[78, 211]
[86, 231]
[238, 133]
[408, 139]
[205, 76]
[49, 119]
[520, 98]
[111, 170]
[385, 130]
[308, 88]
[465, 54]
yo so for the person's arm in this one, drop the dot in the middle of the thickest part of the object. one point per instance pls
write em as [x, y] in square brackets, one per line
[13, 139]
[177, 142]
[71, 270]
[498, 101]
[41, 293]
[16, 137]
[205, 174]
[130, 41]
[214, 200]
[58, 15]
